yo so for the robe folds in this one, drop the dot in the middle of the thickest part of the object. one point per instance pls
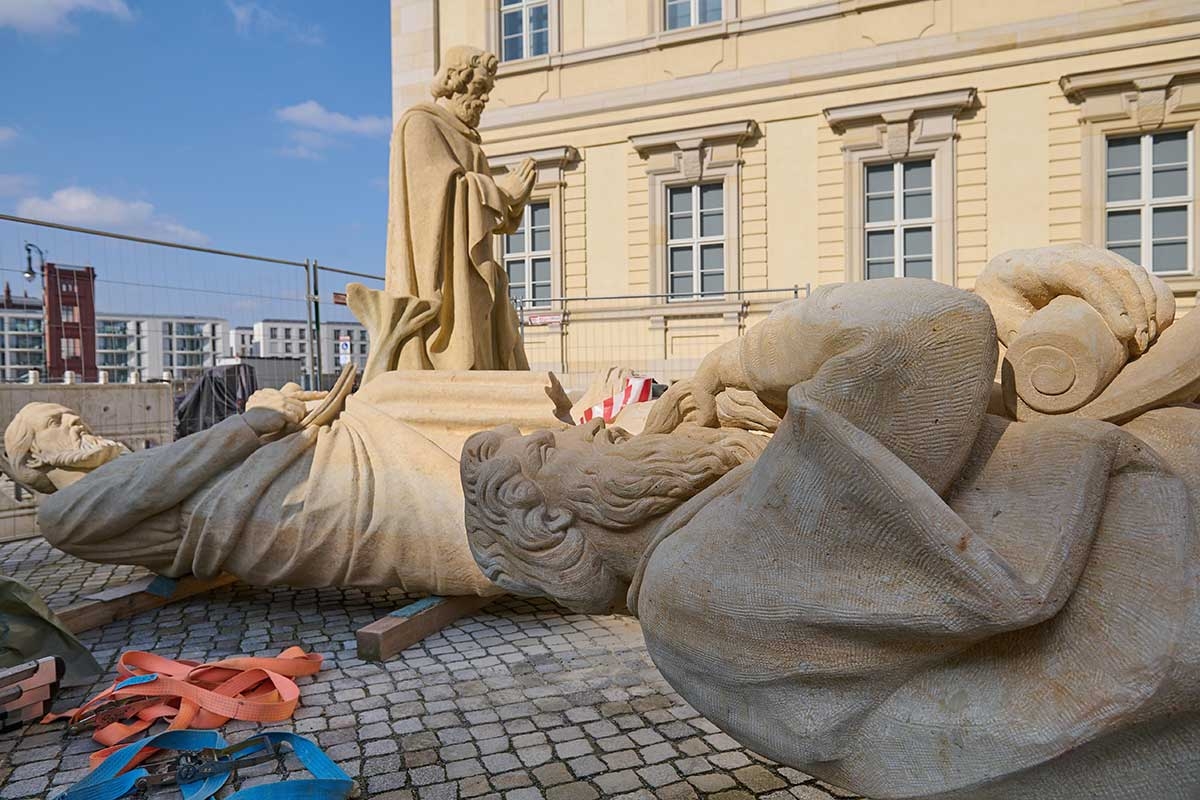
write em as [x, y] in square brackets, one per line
[911, 598]
[365, 501]
[444, 208]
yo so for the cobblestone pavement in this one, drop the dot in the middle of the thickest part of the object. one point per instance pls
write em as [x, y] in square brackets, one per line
[521, 701]
[60, 579]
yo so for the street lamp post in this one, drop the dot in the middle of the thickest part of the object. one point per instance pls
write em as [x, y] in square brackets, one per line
[29, 248]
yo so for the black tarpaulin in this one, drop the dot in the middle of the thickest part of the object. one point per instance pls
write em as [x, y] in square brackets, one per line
[220, 392]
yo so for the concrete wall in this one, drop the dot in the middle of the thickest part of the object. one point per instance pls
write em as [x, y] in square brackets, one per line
[138, 415]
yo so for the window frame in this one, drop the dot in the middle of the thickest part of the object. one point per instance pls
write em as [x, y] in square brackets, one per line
[697, 241]
[528, 255]
[899, 224]
[1145, 203]
[693, 15]
[502, 7]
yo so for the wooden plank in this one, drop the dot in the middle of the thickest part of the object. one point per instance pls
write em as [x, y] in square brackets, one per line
[119, 602]
[404, 627]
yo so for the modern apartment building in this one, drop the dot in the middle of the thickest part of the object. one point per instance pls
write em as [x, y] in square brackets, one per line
[289, 338]
[241, 342]
[154, 344]
[695, 152]
[22, 336]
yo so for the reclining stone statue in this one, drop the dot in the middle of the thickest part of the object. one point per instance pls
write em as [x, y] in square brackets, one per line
[369, 499]
[906, 595]
[365, 501]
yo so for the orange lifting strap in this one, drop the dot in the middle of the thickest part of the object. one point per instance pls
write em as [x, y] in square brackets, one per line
[189, 694]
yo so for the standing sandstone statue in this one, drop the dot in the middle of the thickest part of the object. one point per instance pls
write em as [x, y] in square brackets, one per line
[444, 210]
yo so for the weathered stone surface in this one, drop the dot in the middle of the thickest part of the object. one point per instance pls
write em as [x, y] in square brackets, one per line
[899, 568]
[370, 496]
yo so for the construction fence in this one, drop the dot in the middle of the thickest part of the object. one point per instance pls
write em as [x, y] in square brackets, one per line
[123, 328]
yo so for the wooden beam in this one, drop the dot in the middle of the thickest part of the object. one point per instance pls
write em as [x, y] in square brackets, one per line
[384, 638]
[126, 600]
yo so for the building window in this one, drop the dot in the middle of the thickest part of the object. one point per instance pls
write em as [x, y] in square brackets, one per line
[527, 256]
[274, 333]
[362, 349]
[686, 13]
[524, 29]
[1148, 199]
[695, 240]
[301, 346]
[362, 335]
[70, 314]
[287, 347]
[898, 219]
[287, 333]
[70, 348]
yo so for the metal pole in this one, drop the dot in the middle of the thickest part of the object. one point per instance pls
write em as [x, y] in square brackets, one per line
[308, 332]
[316, 308]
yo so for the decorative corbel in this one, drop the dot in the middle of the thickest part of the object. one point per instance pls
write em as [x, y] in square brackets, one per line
[898, 131]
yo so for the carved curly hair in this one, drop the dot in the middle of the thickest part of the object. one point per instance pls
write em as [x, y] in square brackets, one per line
[459, 68]
[531, 546]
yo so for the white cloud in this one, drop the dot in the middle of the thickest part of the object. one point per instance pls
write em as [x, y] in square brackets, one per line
[316, 128]
[312, 115]
[76, 205]
[7, 134]
[53, 16]
[301, 152]
[15, 185]
[250, 18]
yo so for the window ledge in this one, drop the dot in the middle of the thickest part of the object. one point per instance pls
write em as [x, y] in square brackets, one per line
[522, 66]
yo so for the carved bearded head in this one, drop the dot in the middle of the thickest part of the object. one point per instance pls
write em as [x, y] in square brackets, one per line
[48, 445]
[567, 514]
[465, 80]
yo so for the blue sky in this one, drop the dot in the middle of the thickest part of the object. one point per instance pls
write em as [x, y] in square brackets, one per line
[255, 125]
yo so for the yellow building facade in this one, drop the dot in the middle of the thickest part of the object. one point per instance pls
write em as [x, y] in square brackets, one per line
[700, 160]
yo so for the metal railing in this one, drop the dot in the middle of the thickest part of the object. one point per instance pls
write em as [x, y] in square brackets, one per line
[661, 335]
[215, 299]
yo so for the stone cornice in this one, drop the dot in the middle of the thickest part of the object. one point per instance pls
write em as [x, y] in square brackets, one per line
[900, 109]
[1146, 94]
[548, 157]
[690, 138]
[1077, 86]
[549, 163]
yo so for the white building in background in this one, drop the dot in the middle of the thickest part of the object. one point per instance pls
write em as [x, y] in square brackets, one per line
[241, 342]
[287, 338]
[153, 344]
[22, 344]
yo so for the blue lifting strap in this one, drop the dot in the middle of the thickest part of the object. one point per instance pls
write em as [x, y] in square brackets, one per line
[329, 781]
[106, 782]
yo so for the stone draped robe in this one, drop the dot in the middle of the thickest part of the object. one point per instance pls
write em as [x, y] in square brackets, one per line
[913, 599]
[444, 209]
[366, 501]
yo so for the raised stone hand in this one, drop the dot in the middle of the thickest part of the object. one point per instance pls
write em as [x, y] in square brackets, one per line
[518, 183]
[273, 411]
[684, 402]
[1136, 305]
[694, 400]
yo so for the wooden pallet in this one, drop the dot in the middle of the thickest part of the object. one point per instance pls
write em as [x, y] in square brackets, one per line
[126, 600]
[404, 627]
